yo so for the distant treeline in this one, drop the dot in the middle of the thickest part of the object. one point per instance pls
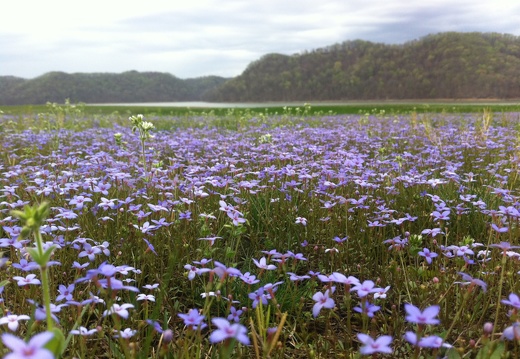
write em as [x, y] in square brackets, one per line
[443, 66]
[447, 65]
[131, 86]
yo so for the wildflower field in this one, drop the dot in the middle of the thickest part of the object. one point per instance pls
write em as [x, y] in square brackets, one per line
[257, 236]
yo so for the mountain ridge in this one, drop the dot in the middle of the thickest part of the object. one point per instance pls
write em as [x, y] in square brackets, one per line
[450, 65]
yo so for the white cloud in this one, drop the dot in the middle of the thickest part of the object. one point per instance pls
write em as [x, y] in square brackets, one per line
[202, 37]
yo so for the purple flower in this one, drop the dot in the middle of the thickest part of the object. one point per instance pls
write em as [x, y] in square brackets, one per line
[249, 278]
[222, 271]
[444, 215]
[340, 278]
[235, 216]
[469, 280]
[414, 314]
[259, 296]
[499, 229]
[427, 255]
[26, 266]
[432, 341]
[432, 232]
[89, 251]
[512, 332]
[234, 314]
[195, 271]
[262, 264]
[65, 292]
[371, 346]
[29, 279]
[227, 330]
[79, 201]
[513, 301]
[368, 309]
[504, 246]
[295, 277]
[193, 319]
[365, 288]
[322, 301]
[34, 349]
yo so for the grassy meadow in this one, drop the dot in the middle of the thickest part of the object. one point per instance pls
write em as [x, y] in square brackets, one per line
[282, 233]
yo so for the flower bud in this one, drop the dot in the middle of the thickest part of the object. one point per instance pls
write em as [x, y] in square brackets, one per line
[488, 328]
[167, 336]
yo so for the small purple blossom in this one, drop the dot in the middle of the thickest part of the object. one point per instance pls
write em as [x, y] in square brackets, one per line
[513, 301]
[29, 279]
[469, 280]
[225, 330]
[65, 292]
[262, 264]
[34, 349]
[371, 346]
[234, 314]
[415, 315]
[365, 288]
[427, 255]
[193, 319]
[323, 300]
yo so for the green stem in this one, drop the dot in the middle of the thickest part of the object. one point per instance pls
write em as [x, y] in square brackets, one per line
[504, 259]
[403, 269]
[143, 151]
[459, 312]
[45, 281]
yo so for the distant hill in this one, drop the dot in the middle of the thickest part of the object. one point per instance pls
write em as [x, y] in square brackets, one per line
[131, 86]
[446, 65]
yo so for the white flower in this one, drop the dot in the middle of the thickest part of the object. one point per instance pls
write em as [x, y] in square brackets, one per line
[382, 293]
[120, 310]
[301, 220]
[147, 297]
[83, 331]
[12, 321]
[125, 334]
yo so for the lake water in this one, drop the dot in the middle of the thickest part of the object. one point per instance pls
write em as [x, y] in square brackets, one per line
[200, 104]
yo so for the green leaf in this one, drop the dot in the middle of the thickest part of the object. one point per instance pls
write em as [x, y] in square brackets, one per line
[34, 254]
[492, 350]
[57, 344]
[41, 258]
[46, 257]
[453, 354]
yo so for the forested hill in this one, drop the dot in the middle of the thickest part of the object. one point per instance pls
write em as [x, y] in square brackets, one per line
[131, 86]
[446, 65]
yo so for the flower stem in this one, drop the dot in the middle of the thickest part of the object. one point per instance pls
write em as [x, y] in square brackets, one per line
[45, 281]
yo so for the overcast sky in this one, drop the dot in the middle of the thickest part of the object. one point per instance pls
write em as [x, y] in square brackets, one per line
[192, 38]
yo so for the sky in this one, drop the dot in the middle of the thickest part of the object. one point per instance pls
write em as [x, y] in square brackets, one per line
[193, 38]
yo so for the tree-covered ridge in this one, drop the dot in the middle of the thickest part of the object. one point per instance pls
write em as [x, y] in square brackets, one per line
[131, 86]
[446, 65]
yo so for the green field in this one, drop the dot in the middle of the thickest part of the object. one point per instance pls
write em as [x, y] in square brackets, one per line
[389, 107]
[391, 231]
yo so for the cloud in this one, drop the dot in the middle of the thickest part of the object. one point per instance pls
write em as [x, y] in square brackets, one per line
[203, 37]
